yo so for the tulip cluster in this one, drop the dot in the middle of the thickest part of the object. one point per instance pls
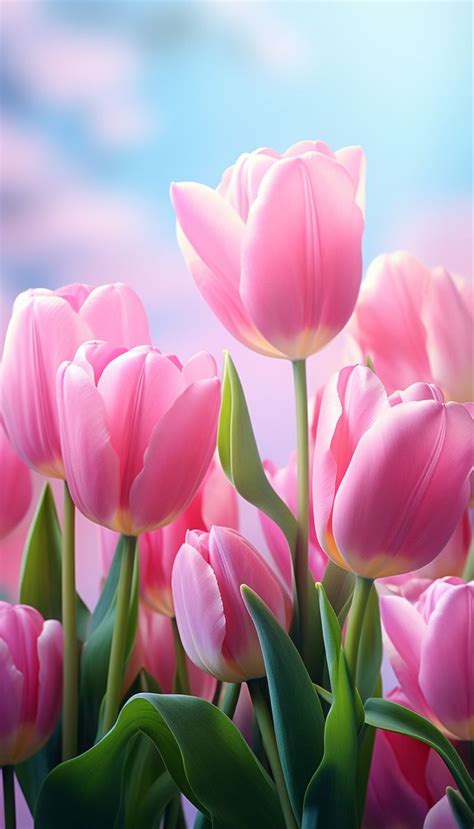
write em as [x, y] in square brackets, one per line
[199, 630]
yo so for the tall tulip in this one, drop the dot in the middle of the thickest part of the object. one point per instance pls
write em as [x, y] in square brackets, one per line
[430, 644]
[16, 486]
[215, 627]
[416, 324]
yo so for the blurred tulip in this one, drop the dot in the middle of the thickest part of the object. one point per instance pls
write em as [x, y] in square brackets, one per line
[17, 487]
[138, 432]
[430, 645]
[215, 627]
[391, 477]
[214, 503]
[46, 328]
[283, 281]
[441, 816]
[30, 679]
[406, 779]
[416, 324]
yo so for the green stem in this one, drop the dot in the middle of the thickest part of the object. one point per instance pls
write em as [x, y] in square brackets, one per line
[71, 655]
[217, 693]
[265, 726]
[9, 797]
[181, 683]
[356, 619]
[302, 534]
[119, 637]
[231, 698]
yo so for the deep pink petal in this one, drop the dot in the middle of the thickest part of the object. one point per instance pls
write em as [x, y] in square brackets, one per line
[12, 683]
[17, 488]
[116, 314]
[218, 499]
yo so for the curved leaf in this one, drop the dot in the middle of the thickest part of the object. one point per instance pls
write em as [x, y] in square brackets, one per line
[203, 752]
[369, 659]
[297, 713]
[463, 815]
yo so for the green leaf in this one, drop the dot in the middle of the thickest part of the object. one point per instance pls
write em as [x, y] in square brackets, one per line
[463, 815]
[369, 659]
[339, 586]
[239, 455]
[40, 580]
[96, 650]
[382, 713]
[297, 713]
[202, 750]
[146, 785]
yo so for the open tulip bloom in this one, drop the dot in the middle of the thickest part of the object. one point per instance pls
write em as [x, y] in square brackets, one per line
[225, 680]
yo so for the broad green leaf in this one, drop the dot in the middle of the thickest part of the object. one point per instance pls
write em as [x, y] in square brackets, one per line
[369, 659]
[202, 750]
[239, 455]
[96, 650]
[366, 747]
[463, 815]
[40, 580]
[297, 714]
[146, 785]
[382, 713]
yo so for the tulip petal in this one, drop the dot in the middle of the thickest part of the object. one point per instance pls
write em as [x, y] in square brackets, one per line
[301, 267]
[405, 488]
[17, 488]
[92, 465]
[50, 656]
[355, 162]
[441, 816]
[199, 610]
[405, 630]
[177, 458]
[11, 707]
[115, 313]
[241, 182]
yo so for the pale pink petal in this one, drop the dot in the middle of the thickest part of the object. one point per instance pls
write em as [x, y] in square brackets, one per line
[405, 630]
[218, 499]
[302, 147]
[417, 391]
[440, 816]
[241, 182]
[199, 367]
[50, 656]
[115, 313]
[355, 162]
[11, 707]
[76, 294]
[301, 268]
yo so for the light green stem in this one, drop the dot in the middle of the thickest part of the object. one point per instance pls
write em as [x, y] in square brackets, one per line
[181, 683]
[119, 638]
[231, 698]
[71, 655]
[9, 808]
[302, 535]
[356, 619]
[265, 726]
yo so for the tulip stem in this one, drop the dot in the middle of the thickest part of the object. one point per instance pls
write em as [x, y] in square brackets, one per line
[9, 808]
[356, 620]
[181, 681]
[231, 698]
[71, 656]
[265, 725]
[119, 637]
[302, 534]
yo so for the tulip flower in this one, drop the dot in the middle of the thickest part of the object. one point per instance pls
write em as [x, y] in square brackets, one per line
[17, 488]
[430, 644]
[275, 250]
[30, 679]
[46, 328]
[214, 625]
[406, 779]
[138, 432]
[441, 816]
[214, 503]
[416, 324]
[391, 477]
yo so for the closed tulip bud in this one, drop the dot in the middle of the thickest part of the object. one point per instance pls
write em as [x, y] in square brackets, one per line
[46, 328]
[215, 627]
[276, 249]
[16, 486]
[138, 432]
[30, 679]
[416, 324]
[391, 477]
[430, 644]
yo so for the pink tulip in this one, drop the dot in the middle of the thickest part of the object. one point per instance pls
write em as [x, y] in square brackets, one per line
[215, 627]
[138, 431]
[391, 477]
[17, 489]
[30, 679]
[406, 779]
[214, 503]
[430, 644]
[441, 816]
[276, 249]
[416, 324]
[46, 328]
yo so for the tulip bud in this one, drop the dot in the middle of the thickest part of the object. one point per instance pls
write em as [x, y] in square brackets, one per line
[391, 477]
[46, 328]
[215, 627]
[30, 679]
[138, 432]
[16, 486]
[283, 282]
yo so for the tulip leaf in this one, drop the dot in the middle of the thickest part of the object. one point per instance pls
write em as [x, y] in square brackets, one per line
[463, 815]
[146, 785]
[96, 650]
[40, 580]
[382, 713]
[203, 753]
[339, 586]
[297, 713]
[240, 458]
